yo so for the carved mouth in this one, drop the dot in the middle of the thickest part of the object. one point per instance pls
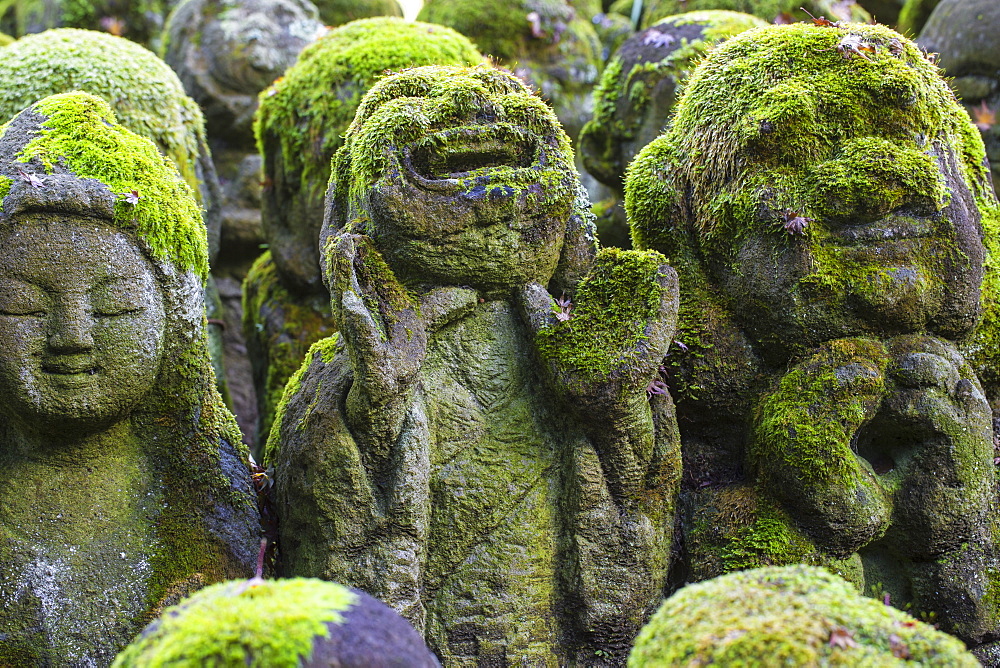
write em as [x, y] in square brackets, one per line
[70, 368]
[458, 152]
[897, 225]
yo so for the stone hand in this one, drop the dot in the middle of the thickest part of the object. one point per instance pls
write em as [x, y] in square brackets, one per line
[385, 336]
[802, 440]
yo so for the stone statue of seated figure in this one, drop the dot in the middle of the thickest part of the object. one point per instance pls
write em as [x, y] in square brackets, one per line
[482, 457]
[125, 484]
[827, 205]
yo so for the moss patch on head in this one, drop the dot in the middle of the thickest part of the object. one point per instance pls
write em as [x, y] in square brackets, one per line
[307, 111]
[146, 94]
[794, 615]
[81, 134]
[270, 623]
[614, 303]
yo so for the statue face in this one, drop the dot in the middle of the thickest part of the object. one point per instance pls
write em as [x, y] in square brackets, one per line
[478, 185]
[81, 324]
[861, 265]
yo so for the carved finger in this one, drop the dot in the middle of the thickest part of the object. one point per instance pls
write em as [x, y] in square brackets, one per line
[537, 307]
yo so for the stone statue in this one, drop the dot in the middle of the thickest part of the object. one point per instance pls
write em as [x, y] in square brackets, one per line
[635, 96]
[284, 623]
[125, 484]
[964, 35]
[484, 458]
[826, 203]
[300, 126]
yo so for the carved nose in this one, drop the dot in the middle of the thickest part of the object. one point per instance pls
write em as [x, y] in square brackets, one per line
[71, 328]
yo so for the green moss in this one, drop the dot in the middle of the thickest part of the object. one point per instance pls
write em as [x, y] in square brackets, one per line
[807, 424]
[339, 12]
[325, 350]
[265, 623]
[279, 328]
[137, 20]
[795, 615]
[304, 114]
[146, 95]
[613, 305]
[914, 15]
[81, 134]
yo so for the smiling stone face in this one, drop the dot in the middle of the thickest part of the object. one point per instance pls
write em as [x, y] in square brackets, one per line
[460, 176]
[81, 324]
[829, 183]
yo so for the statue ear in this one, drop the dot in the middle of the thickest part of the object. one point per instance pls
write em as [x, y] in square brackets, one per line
[579, 246]
[655, 192]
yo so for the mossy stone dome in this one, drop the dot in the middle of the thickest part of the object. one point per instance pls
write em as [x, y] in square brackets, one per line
[789, 615]
[769, 10]
[278, 624]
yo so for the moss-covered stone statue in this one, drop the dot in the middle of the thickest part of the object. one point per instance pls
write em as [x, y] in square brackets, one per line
[279, 624]
[964, 35]
[788, 616]
[773, 11]
[480, 456]
[636, 95]
[544, 42]
[826, 203]
[300, 126]
[125, 486]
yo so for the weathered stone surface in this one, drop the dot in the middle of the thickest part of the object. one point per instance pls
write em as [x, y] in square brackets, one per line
[832, 221]
[792, 615]
[125, 483]
[279, 624]
[481, 457]
[965, 37]
[637, 93]
[300, 126]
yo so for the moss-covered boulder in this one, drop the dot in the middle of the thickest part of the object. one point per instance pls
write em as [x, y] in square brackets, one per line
[826, 202]
[125, 484]
[544, 42]
[303, 117]
[797, 615]
[773, 11]
[637, 93]
[145, 93]
[484, 458]
[279, 624]
[339, 12]
[964, 36]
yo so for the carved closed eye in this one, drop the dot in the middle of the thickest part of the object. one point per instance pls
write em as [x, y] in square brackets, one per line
[19, 299]
[117, 299]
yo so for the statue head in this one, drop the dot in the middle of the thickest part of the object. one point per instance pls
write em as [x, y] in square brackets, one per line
[640, 84]
[826, 182]
[147, 96]
[303, 116]
[963, 34]
[461, 176]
